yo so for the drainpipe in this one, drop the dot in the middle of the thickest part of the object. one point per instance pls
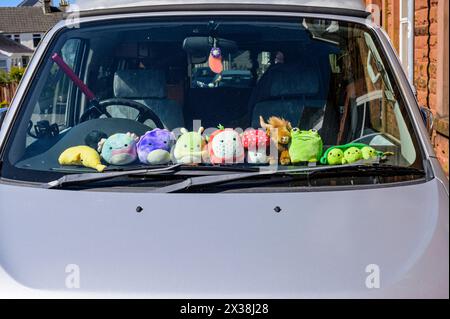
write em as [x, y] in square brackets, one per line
[411, 26]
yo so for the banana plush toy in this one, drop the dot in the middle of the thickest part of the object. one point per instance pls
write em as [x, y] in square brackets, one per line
[82, 156]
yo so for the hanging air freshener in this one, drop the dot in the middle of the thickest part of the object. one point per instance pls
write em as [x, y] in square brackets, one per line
[215, 59]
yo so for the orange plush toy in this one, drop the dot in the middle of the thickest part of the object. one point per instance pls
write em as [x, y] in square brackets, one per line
[279, 131]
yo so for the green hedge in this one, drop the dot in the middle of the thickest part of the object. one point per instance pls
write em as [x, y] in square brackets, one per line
[14, 76]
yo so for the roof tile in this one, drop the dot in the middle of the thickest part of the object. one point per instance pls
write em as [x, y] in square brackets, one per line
[27, 20]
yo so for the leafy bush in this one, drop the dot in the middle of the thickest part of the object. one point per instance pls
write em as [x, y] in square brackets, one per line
[4, 77]
[16, 74]
[3, 104]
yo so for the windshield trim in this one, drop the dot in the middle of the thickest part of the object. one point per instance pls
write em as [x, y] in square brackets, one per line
[53, 35]
[273, 7]
[262, 189]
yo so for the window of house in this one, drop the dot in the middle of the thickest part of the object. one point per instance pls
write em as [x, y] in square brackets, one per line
[14, 37]
[3, 65]
[36, 39]
[25, 61]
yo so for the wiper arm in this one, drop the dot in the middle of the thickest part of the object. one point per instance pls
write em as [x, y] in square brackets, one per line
[75, 179]
[309, 172]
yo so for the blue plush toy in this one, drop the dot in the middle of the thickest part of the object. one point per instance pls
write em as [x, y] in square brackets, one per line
[154, 147]
[119, 149]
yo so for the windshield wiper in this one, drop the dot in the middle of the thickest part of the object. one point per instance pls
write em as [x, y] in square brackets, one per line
[76, 179]
[178, 169]
[310, 172]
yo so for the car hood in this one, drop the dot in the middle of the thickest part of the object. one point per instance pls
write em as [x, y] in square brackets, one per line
[219, 245]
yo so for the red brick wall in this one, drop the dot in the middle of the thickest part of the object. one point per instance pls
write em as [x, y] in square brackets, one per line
[425, 52]
[426, 59]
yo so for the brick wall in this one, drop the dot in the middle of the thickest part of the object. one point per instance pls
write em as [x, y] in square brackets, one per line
[428, 61]
[425, 52]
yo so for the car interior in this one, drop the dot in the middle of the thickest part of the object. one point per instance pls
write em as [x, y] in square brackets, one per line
[157, 75]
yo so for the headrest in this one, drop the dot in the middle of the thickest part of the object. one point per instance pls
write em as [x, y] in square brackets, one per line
[140, 84]
[294, 80]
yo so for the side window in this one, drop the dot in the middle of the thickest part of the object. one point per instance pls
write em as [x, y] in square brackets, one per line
[52, 107]
[263, 63]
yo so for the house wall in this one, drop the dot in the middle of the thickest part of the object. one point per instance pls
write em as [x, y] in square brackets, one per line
[430, 60]
[26, 39]
[8, 61]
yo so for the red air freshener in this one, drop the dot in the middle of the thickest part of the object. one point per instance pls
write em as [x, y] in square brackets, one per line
[215, 60]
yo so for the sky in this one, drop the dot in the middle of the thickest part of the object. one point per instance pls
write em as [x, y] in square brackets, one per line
[9, 3]
[13, 3]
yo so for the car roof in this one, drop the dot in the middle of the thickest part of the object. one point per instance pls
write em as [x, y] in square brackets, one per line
[108, 5]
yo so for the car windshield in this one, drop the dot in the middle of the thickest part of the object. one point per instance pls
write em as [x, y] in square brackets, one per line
[211, 92]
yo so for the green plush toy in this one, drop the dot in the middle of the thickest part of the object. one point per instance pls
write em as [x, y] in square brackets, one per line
[335, 157]
[306, 146]
[351, 153]
[369, 153]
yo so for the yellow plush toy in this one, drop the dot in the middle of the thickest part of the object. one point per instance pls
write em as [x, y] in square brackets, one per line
[82, 156]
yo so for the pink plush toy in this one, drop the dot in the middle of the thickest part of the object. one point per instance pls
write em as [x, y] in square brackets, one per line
[256, 143]
[225, 147]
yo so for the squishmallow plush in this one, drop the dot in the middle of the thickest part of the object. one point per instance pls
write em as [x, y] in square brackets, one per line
[119, 149]
[306, 146]
[369, 153]
[256, 143]
[279, 131]
[352, 155]
[225, 147]
[190, 147]
[335, 157]
[82, 156]
[154, 147]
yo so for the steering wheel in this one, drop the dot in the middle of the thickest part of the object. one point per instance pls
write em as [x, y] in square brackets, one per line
[98, 109]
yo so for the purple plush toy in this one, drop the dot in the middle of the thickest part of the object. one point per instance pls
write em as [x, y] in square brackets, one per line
[154, 147]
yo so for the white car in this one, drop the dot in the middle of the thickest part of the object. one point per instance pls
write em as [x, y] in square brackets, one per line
[109, 220]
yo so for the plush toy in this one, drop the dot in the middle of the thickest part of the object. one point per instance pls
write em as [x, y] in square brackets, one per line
[190, 147]
[256, 143]
[279, 131]
[82, 156]
[369, 153]
[306, 146]
[154, 147]
[225, 147]
[119, 149]
[351, 153]
[335, 157]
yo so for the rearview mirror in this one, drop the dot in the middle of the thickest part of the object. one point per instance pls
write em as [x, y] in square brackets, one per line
[428, 118]
[198, 48]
